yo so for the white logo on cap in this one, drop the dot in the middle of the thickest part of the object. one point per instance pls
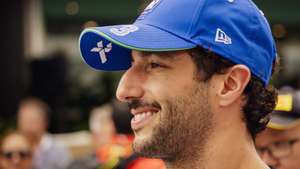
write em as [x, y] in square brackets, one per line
[102, 51]
[222, 37]
[124, 30]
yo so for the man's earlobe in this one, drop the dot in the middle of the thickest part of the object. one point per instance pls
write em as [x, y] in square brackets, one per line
[234, 82]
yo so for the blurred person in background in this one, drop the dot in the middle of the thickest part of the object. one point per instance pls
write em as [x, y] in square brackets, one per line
[101, 125]
[116, 145]
[32, 121]
[102, 131]
[16, 152]
[279, 144]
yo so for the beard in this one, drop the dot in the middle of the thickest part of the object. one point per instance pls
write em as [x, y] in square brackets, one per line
[185, 124]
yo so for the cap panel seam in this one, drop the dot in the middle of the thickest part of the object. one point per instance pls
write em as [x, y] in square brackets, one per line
[166, 30]
[253, 35]
[196, 15]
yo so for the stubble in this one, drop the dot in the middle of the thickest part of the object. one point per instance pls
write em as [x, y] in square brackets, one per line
[184, 127]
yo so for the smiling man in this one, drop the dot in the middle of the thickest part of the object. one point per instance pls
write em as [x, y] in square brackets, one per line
[196, 79]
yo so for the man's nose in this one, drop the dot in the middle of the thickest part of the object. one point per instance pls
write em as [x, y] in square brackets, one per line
[131, 85]
[269, 159]
[15, 159]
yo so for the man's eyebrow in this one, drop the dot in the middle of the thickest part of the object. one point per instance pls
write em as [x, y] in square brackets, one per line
[169, 55]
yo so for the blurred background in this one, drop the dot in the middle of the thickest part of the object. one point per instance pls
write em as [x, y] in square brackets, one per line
[40, 56]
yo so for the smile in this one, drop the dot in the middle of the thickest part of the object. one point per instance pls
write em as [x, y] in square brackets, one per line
[142, 117]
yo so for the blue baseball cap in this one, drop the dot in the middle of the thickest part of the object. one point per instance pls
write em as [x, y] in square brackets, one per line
[235, 29]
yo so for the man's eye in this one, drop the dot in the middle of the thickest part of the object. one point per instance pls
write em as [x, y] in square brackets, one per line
[155, 65]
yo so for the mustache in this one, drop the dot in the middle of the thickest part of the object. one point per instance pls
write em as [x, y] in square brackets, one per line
[136, 103]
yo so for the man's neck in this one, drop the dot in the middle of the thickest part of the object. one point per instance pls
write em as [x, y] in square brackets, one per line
[224, 150]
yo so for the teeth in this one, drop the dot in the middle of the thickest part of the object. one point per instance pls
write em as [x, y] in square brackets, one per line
[142, 116]
[148, 114]
[138, 117]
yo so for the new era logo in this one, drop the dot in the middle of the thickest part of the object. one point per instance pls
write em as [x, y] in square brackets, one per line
[222, 37]
[102, 50]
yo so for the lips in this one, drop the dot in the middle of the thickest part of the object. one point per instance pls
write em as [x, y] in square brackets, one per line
[142, 117]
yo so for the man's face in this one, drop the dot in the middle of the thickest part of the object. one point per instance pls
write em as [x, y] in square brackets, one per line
[28, 115]
[171, 107]
[285, 145]
[16, 153]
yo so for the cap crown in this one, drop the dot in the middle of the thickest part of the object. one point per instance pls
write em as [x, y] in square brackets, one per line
[234, 29]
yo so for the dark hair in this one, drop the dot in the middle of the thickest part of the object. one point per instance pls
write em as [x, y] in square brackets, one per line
[260, 100]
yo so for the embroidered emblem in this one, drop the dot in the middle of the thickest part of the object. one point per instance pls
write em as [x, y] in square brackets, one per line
[102, 50]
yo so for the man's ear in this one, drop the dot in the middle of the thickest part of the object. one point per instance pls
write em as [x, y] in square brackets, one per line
[233, 84]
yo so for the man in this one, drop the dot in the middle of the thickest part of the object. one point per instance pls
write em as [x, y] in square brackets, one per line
[32, 121]
[16, 152]
[196, 80]
[279, 144]
[102, 131]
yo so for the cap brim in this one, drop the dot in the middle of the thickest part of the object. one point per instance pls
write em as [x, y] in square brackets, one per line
[282, 122]
[104, 49]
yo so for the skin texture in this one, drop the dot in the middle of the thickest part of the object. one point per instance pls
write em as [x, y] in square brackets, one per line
[16, 142]
[270, 136]
[195, 124]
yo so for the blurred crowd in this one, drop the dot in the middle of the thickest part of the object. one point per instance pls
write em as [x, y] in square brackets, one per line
[31, 146]
[279, 144]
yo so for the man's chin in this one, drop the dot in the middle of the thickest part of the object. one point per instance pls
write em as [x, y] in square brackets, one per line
[141, 146]
[146, 148]
[138, 144]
